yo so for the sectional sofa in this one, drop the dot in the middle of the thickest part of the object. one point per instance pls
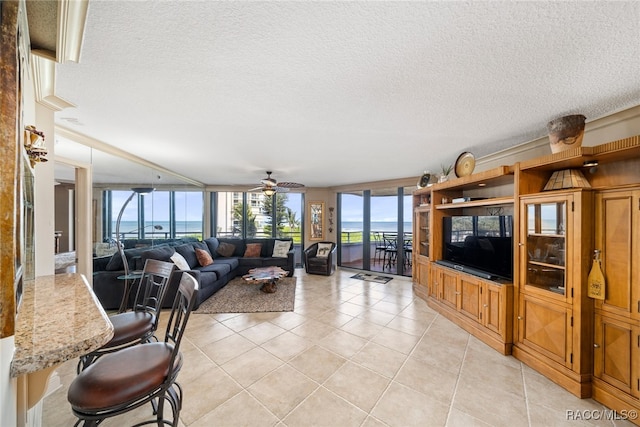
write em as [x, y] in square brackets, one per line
[213, 262]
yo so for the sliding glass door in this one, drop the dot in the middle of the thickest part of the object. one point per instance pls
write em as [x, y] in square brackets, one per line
[376, 230]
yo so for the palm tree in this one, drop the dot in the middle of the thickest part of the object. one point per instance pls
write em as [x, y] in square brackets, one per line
[294, 223]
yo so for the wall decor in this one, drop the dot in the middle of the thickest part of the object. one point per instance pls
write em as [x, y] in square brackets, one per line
[316, 220]
[34, 145]
[331, 219]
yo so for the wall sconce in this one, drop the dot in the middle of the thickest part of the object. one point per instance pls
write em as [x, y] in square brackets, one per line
[592, 165]
[34, 145]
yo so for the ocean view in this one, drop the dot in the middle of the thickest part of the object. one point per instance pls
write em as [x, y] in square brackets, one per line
[375, 226]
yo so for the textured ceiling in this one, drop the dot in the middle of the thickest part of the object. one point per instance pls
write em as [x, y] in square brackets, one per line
[331, 93]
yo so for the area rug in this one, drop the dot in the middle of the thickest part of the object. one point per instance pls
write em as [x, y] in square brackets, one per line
[372, 278]
[239, 296]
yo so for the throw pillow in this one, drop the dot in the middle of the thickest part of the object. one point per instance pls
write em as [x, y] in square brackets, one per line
[179, 261]
[204, 258]
[225, 249]
[281, 248]
[253, 250]
[323, 250]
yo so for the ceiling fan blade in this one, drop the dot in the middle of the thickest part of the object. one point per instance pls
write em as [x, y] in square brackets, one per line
[256, 189]
[290, 185]
[281, 189]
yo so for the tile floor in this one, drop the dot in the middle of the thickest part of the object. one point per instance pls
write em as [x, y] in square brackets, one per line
[353, 353]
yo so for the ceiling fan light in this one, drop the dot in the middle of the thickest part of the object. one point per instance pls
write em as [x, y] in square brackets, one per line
[268, 191]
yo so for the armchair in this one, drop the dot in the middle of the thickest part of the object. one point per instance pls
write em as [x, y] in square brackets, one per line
[315, 264]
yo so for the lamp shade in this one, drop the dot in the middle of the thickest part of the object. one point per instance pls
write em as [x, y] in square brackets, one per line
[268, 191]
[142, 190]
[567, 178]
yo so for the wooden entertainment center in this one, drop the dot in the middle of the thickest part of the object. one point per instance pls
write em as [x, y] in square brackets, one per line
[543, 316]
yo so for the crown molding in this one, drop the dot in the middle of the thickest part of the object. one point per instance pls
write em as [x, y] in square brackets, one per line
[72, 16]
[44, 81]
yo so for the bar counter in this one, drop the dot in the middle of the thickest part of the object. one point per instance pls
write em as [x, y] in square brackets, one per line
[59, 319]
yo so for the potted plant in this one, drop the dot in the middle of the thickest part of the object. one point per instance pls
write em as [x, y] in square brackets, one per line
[445, 171]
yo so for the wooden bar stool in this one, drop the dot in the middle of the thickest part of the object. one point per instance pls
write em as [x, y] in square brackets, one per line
[140, 323]
[126, 379]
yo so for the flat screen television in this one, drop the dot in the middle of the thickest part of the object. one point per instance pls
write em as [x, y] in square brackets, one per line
[480, 245]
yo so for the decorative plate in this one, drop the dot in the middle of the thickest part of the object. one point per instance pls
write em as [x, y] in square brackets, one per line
[465, 164]
[423, 181]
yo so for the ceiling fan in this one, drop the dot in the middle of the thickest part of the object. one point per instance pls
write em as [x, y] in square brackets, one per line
[270, 186]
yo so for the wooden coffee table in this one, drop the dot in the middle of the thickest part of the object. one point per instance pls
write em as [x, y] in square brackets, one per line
[268, 276]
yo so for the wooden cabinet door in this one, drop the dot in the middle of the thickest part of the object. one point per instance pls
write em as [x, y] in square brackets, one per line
[493, 308]
[617, 231]
[615, 341]
[546, 328]
[470, 297]
[449, 290]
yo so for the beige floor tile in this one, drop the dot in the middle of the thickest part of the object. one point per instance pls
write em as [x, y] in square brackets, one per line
[476, 401]
[288, 320]
[440, 354]
[227, 348]
[396, 340]
[354, 353]
[249, 367]
[351, 309]
[460, 419]
[324, 408]
[358, 385]
[376, 316]
[313, 330]
[205, 393]
[373, 422]
[317, 363]
[427, 379]
[262, 332]
[242, 410]
[403, 407]
[342, 343]
[287, 345]
[362, 328]
[334, 318]
[382, 360]
[282, 390]
[408, 326]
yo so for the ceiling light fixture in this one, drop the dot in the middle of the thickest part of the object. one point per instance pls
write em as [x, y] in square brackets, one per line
[590, 163]
[268, 191]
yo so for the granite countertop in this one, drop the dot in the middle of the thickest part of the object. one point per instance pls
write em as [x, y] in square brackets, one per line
[59, 319]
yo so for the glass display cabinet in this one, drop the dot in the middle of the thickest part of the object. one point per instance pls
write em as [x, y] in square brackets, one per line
[545, 240]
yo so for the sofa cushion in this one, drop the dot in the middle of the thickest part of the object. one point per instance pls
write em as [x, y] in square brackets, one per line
[231, 262]
[238, 243]
[253, 250]
[160, 253]
[180, 262]
[323, 250]
[189, 253]
[115, 263]
[281, 248]
[220, 269]
[226, 249]
[212, 244]
[204, 257]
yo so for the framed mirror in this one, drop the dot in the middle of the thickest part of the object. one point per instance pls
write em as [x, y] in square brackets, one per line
[316, 220]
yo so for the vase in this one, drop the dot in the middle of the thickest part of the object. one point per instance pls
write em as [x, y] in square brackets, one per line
[443, 178]
[566, 132]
